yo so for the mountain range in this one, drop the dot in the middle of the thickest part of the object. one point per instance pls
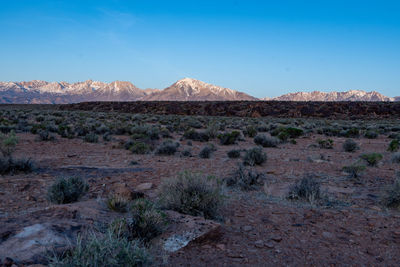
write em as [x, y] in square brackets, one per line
[187, 89]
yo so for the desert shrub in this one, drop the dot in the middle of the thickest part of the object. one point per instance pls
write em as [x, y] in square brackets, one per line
[254, 156]
[146, 221]
[396, 157]
[394, 145]
[140, 148]
[104, 251]
[107, 137]
[192, 193]
[165, 133]
[350, 145]
[327, 144]
[67, 190]
[91, 138]
[266, 141]
[167, 148]
[329, 131]
[250, 131]
[146, 131]
[8, 142]
[44, 135]
[284, 133]
[117, 203]
[186, 153]
[372, 159]
[392, 196]
[370, 134]
[245, 178]
[234, 153]
[352, 133]
[354, 171]
[308, 188]
[229, 138]
[212, 130]
[206, 151]
[196, 136]
[9, 165]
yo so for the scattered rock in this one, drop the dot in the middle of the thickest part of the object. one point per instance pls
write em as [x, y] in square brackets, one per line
[220, 246]
[144, 186]
[327, 235]
[185, 229]
[276, 238]
[259, 244]
[247, 228]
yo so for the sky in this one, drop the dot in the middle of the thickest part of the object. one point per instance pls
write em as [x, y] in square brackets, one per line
[263, 48]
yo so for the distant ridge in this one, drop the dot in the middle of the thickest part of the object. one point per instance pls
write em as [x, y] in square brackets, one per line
[351, 95]
[187, 89]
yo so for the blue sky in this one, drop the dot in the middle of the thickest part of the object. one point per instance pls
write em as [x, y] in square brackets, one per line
[264, 48]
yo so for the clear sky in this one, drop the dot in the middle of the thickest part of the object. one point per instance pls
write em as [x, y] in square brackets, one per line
[264, 48]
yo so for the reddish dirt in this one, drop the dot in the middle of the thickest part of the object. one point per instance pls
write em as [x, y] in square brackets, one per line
[261, 228]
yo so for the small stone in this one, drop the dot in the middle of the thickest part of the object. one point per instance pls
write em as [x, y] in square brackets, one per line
[376, 208]
[259, 244]
[269, 245]
[206, 247]
[247, 228]
[276, 238]
[220, 246]
[30, 198]
[327, 234]
[144, 186]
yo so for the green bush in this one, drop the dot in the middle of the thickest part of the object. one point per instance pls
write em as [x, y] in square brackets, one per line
[245, 179]
[229, 138]
[140, 148]
[9, 165]
[117, 203]
[370, 134]
[394, 145]
[308, 188]
[354, 171]
[206, 151]
[396, 157]
[254, 156]
[196, 136]
[8, 142]
[352, 133]
[350, 145]
[250, 131]
[104, 251]
[284, 133]
[234, 153]
[67, 190]
[192, 193]
[91, 138]
[146, 220]
[392, 197]
[372, 159]
[266, 141]
[326, 144]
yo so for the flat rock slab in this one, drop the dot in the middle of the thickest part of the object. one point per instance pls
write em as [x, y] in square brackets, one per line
[186, 229]
[29, 237]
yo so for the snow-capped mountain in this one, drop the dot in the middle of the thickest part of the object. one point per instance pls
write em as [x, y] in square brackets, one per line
[62, 92]
[189, 89]
[351, 95]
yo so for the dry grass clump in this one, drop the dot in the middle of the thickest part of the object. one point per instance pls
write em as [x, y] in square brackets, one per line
[245, 178]
[254, 156]
[67, 190]
[192, 193]
[308, 189]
